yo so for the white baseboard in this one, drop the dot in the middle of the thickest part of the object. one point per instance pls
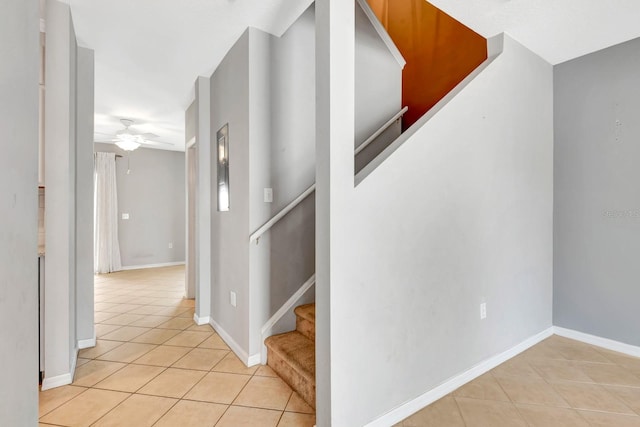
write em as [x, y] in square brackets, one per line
[612, 345]
[64, 379]
[88, 343]
[234, 346]
[139, 267]
[201, 320]
[400, 413]
[57, 381]
[254, 360]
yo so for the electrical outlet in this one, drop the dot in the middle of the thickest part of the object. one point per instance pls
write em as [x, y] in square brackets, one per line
[125, 216]
[170, 245]
[232, 298]
[483, 311]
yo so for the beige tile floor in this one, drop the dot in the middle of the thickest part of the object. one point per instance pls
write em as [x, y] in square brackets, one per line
[152, 366]
[559, 382]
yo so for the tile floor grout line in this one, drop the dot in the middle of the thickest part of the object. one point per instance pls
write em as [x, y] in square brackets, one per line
[110, 410]
[66, 401]
[177, 312]
[459, 410]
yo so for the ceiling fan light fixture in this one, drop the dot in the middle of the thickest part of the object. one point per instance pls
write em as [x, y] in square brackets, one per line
[128, 142]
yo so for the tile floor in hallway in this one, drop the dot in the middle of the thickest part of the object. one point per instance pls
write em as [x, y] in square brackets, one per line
[558, 382]
[152, 366]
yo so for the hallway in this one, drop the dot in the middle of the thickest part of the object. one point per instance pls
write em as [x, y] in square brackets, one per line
[152, 366]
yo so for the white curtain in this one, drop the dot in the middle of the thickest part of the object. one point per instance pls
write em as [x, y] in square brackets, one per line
[106, 249]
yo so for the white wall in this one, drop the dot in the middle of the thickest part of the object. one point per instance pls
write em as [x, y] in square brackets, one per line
[597, 203]
[18, 211]
[60, 213]
[153, 194]
[335, 108]
[84, 198]
[458, 215]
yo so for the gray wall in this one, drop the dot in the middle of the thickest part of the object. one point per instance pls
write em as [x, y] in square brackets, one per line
[597, 202]
[18, 210]
[230, 230]
[378, 93]
[285, 257]
[84, 196]
[456, 216]
[153, 194]
[265, 90]
[290, 151]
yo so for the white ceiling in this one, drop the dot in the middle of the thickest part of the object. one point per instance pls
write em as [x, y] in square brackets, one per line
[557, 30]
[148, 53]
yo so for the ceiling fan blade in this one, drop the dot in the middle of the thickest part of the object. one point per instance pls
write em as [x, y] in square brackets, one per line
[156, 143]
[148, 136]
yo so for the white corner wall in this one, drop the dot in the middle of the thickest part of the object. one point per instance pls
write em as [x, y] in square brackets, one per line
[460, 214]
[60, 213]
[19, 213]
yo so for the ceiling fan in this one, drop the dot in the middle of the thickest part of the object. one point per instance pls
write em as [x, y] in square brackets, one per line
[129, 140]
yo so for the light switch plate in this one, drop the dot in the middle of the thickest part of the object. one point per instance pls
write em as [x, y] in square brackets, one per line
[268, 195]
[125, 216]
[232, 298]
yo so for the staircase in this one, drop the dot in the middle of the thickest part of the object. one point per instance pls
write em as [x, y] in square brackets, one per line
[292, 355]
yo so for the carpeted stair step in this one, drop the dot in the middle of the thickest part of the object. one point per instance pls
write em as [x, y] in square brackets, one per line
[306, 320]
[293, 357]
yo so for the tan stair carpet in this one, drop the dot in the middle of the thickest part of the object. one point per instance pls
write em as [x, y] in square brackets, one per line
[306, 320]
[292, 356]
